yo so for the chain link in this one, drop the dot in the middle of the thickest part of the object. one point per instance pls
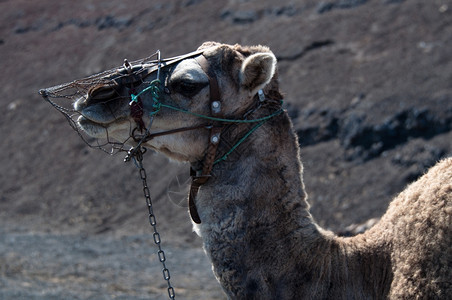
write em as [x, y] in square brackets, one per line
[137, 155]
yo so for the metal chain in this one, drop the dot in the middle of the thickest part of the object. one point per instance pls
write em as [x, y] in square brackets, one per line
[137, 155]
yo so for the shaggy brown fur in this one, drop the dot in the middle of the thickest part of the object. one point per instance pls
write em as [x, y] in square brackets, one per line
[256, 226]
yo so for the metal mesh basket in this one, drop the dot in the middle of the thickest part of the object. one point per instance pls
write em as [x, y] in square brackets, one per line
[62, 97]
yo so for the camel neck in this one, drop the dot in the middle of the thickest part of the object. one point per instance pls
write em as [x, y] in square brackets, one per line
[254, 211]
[264, 174]
[259, 234]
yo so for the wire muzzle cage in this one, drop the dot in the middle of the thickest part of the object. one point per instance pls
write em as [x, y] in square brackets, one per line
[132, 74]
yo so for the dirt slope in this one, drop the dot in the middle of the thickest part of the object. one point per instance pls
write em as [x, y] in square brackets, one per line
[368, 84]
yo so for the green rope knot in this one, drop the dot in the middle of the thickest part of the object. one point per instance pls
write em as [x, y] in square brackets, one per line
[134, 98]
[154, 88]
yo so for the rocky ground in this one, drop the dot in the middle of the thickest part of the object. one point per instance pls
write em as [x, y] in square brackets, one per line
[367, 83]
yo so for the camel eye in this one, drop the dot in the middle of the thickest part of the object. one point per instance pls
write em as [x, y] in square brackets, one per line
[187, 88]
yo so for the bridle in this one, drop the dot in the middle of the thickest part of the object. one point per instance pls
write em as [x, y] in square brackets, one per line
[215, 126]
[199, 177]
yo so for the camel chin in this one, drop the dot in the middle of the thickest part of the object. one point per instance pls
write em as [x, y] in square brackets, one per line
[118, 130]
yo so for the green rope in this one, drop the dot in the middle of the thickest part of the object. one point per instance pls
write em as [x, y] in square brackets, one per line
[221, 119]
[224, 157]
[154, 87]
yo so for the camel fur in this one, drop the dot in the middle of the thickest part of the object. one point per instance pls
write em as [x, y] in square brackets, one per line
[256, 226]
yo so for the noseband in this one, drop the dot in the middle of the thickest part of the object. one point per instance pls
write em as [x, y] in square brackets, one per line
[199, 178]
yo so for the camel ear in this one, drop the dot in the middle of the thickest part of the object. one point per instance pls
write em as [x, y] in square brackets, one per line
[257, 70]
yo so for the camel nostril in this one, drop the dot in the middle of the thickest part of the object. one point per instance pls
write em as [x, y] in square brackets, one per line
[101, 93]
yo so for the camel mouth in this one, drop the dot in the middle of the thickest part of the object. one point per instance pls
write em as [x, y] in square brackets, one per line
[102, 104]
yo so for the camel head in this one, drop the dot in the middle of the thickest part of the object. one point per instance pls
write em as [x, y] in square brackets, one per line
[124, 109]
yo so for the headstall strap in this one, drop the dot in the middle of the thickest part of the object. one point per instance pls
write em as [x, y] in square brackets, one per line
[199, 177]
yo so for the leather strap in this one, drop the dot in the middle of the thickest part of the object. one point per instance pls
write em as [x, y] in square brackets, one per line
[214, 140]
[150, 136]
[213, 82]
[144, 68]
[200, 179]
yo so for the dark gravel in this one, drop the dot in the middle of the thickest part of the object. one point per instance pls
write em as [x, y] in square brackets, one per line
[53, 266]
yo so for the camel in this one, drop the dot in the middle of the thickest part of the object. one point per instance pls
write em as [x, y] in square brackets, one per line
[220, 110]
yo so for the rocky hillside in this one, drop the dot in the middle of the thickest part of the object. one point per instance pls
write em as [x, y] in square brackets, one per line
[367, 83]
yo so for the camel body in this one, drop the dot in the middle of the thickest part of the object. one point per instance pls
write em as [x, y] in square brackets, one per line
[255, 220]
